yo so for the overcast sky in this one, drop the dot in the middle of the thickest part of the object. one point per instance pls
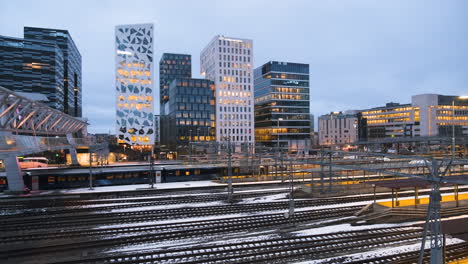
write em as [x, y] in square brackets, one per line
[361, 53]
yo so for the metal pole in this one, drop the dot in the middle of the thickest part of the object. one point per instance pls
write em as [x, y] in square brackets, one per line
[151, 167]
[190, 146]
[322, 170]
[330, 173]
[230, 190]
[90, 170]
[291, 191]
[453, 130]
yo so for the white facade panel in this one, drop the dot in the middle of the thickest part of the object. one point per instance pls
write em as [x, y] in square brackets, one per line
[134, 84]
[229, 63]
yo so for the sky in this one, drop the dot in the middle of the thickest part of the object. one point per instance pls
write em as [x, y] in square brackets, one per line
[362, 53]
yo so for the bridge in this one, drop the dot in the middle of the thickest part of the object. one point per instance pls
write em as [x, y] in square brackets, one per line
[28, 126]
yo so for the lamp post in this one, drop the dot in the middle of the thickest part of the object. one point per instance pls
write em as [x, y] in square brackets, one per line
[278, 149]
[190, 146]
[453, 124]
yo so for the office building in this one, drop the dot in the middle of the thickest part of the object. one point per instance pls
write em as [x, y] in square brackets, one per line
[45, 61]
[228, 62]
[134, 83]
[428, 115]
[190, 116]
[338, 128]
[438, 114]
[172, 66]
[392, 120]
[282, 111]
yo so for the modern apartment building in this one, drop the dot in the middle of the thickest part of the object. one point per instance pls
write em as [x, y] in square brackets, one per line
[134, 83]
[282, 111]
[190, 115]
[338, 128]
[45, 61]
[228, 62]
[172, 66]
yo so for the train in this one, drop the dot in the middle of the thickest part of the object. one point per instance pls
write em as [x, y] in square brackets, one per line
[66, 178]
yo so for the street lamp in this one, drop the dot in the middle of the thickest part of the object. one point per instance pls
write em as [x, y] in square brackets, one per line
[277, 149]
[453, 123]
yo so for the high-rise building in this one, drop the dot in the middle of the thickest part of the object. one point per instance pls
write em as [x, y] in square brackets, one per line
[134, 84]
[190, 113]
[172, 66]
[282, 106]
[45, 61]
[71, 65]
[228, 62]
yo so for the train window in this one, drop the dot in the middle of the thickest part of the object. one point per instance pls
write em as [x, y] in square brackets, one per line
[61, 179]
[2, 181]
[71, 178]
[82, 178]
[197, 172]
[187, 173]
[119, 176]
[51, 179]
[110, 177]
[177, 173]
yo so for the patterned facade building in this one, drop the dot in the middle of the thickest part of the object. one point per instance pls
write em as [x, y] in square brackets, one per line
[134, 84]
[228, 62]
[45, 61]
[172, 66]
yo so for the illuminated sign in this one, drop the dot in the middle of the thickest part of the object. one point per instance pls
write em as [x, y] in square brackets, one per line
[123, 52]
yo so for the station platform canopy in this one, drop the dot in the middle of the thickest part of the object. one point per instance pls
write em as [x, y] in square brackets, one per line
[417, 182]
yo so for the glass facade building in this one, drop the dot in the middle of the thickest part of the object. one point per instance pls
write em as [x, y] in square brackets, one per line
[45, 61]
[172, 66]
[191, 113]
[282, 111]
[134, 84]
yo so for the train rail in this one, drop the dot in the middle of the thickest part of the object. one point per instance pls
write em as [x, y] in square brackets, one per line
[108, 206]
[452, 253]
[268, 250]
[152, 233]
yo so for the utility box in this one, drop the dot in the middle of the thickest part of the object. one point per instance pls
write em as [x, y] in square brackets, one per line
[157, 176]
[35, 183]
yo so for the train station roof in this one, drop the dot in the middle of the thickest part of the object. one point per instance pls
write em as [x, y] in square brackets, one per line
[401, 183]
[456, 227]
[418, 182]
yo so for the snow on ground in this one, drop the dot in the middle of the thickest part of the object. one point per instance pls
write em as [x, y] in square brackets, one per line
[178, 221]
[167, 206]
[168, 185]
[348, 227]
[264, 199]
[373, 253]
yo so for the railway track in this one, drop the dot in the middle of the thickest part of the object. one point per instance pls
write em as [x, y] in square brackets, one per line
[123, 204]
[47, 221]
[276, 250]
[453, 252]
[162, 200]
[153, 233]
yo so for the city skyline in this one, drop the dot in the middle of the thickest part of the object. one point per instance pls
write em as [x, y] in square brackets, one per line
[360, 53]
